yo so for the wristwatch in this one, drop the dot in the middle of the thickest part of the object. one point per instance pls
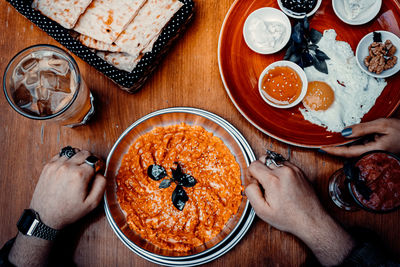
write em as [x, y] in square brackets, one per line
[30, 224]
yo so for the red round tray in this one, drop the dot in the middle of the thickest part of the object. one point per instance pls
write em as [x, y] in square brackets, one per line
[240, 68]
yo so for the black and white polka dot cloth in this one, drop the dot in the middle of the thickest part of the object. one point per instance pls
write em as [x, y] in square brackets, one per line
[132, 81]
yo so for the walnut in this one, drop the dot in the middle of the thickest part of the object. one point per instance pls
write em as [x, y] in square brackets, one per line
[366, 61]
[378, 50]
[391, 51]
[390, 63]
[381, 57]
[377, 64]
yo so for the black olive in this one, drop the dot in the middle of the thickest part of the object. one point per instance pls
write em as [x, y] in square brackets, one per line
[156, 172]
[179, 197]
[299, 6]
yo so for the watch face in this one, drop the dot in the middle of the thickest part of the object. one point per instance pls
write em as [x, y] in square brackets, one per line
[26, 221]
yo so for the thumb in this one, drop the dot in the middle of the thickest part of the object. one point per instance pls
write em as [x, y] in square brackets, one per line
[358, 130]
[257, 200]
[96, 193]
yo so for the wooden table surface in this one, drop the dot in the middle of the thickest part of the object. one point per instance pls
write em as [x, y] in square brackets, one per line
[188, 76]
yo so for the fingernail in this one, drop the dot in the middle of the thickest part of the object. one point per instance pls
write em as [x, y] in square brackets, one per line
[321, 151]
[347, 132]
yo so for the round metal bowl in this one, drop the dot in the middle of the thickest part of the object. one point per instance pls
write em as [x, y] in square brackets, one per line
[235, 228]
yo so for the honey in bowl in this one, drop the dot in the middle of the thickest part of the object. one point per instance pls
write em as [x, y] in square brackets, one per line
[282, 85]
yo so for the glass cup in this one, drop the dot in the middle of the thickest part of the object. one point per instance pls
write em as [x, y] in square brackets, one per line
[43, 82]
[370, 182]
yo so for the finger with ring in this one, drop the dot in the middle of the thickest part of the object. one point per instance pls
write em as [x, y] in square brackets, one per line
[96, 163]
[67, 151]
[274, 160]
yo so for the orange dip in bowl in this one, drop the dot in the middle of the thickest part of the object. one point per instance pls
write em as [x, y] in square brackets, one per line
[212, 201]
[282, 85]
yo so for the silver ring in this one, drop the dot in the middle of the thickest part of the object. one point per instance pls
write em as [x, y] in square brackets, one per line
[274, 158]
[67, 151]
[96, 163]
[269, 161]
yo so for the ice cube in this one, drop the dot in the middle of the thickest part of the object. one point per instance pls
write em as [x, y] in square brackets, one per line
[29, 64]
[42, 93]
[22, 96]
[32, 78]
[59, 100]
[33, 108]
[64, 83]
[44, 107]
[17, 77]
[48, 80]
[59, 66]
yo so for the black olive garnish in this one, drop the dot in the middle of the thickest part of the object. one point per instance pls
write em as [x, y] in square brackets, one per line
[156, 172]
[187, 180]
[179, 197]
[165, 183]
[181, 179]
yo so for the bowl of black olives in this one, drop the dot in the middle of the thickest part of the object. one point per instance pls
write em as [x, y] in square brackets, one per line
[299, 8]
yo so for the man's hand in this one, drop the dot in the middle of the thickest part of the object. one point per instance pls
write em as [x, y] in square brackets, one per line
[283, 197]
[67, 190]
[386, 133]
[288, 202]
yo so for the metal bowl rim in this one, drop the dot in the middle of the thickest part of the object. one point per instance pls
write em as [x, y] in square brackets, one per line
[246, 150]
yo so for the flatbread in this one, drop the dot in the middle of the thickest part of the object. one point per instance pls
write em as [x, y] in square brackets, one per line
[104, 20]
[125, 61]
[65, 12]
[149, 47]
[148, 23]
[98, 45]
[121, 61]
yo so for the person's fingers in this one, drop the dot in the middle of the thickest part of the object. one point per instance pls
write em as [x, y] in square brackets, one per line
[79, 157]
[352, 151]
[256, 198]
[261, 173]
[56, 157]
[292, 166]
[96, 192]
[362, 129]
[262, 158]
[62, 158]
[248, 179]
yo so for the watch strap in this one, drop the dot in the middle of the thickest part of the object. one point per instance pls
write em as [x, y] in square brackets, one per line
[30, 224]
[45, 232]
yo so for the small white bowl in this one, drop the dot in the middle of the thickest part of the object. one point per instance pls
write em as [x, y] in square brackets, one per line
[272, 15]
[293, 15]
[296, 68]
[365, 17]
[362, 52]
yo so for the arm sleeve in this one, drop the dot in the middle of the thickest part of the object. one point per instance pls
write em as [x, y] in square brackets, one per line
[4, 252]
[369, 251]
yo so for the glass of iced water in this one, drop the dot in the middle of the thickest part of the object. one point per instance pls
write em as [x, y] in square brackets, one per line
[43, 82]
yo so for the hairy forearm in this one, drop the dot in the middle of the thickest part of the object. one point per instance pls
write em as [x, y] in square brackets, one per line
[329, 242]
[29, 251]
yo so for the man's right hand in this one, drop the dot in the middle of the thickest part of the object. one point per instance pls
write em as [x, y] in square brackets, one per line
[283, 197]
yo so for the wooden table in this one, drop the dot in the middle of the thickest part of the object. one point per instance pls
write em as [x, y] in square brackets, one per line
[188, 76]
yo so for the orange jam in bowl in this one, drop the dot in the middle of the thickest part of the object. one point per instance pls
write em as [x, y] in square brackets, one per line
[283, 86]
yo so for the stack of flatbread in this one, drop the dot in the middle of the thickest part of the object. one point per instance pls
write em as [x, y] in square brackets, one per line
[120, 31]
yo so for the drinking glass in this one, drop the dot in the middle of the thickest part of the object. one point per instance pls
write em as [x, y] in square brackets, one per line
[370, 182]
[43, 82]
